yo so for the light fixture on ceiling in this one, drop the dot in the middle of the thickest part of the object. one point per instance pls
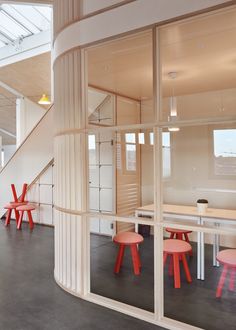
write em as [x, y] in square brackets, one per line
[44, 100]
[173, 106]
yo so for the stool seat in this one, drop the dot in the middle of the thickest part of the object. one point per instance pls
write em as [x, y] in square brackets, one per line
[14, 205]
[227, 257]
[176, 246]
[26, 207]
[132, 240]
[128, 238]
[177, 249]
[180, 231]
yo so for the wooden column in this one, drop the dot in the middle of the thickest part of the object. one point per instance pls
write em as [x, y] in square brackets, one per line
[69, 150]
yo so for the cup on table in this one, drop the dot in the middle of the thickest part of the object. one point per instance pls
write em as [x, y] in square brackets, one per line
[202, 205]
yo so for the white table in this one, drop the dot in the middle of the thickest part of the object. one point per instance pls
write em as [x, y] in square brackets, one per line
[216, 216]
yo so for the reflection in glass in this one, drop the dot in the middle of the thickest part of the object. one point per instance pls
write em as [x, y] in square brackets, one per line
[121, 284]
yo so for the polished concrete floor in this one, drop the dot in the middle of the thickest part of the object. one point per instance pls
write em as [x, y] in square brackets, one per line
[194, 303]
[31, 300]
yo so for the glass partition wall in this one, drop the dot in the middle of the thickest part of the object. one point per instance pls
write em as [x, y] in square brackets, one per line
[161, 163]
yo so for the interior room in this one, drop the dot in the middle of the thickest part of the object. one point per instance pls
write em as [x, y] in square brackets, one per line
[196, 139]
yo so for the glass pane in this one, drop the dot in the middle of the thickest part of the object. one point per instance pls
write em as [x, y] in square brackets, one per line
[32, 14]
[120, 173]
[131, 157]
[12, 11]
[122, 70]
[124, 281]
[200, 163]
[130, 138]
[201, 302]
[11, 28]
[198, 79]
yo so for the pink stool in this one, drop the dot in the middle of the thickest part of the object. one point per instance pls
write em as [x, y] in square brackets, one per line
[128, 239]
[228, 259]
[177, 249]
[180, 234]
[9, 208]
[25, 208]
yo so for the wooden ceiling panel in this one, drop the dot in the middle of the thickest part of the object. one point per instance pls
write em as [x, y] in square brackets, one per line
[30, 77]
[201, 50]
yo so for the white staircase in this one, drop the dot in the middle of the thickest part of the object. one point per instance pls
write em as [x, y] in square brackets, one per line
[29, 160]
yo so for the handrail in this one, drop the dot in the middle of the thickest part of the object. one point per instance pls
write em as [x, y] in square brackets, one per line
[26, 138]
[41, 173]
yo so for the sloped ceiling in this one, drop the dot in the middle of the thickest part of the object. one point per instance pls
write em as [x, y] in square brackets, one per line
[31, 78]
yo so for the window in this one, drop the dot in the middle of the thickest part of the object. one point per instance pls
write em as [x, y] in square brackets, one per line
[130, 151]
[224, 151]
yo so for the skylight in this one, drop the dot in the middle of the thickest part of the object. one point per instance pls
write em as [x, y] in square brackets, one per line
[20, 21]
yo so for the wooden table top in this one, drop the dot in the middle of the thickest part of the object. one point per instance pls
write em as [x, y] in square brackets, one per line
[192, 211]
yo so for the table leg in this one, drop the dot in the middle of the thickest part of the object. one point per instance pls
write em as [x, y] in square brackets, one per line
[200, 253]
[216, 247]
[202, 258]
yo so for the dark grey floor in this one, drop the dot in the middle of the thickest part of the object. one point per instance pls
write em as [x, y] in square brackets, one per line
[31, 300]
[194, 303]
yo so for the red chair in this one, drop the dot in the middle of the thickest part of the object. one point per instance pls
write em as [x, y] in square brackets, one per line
[228, 259]
[177, 250]
[180, 234]
[128, 239]
[25, 208]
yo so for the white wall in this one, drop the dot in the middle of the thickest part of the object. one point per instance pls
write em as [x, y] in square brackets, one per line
[28, 114]
[29, 160]
[8, 152]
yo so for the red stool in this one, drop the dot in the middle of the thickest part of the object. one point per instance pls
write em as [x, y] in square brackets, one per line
[180, 234]
[177, 249]
[9, 208]
[228, 259]
[128, 239]
[25, 208]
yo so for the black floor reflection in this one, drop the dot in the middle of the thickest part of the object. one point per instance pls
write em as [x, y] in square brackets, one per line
[194, 303]
[125, 287]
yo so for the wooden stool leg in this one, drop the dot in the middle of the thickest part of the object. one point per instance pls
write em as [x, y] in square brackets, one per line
[138, 255]
[172, 235]
[179, 236]
[17, 216]
[186, 237]
[221, 281]
[8, 217]
[232, 278]
[187, 240]
[165, 258]
[135, 258]
[13, 188]
[176, 270]
[171, 272]
[186, 269]
[119, 258]
[31, 222]
[20, 220]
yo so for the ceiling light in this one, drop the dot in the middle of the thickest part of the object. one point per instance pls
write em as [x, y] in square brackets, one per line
[173, 105]
[44, 100]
